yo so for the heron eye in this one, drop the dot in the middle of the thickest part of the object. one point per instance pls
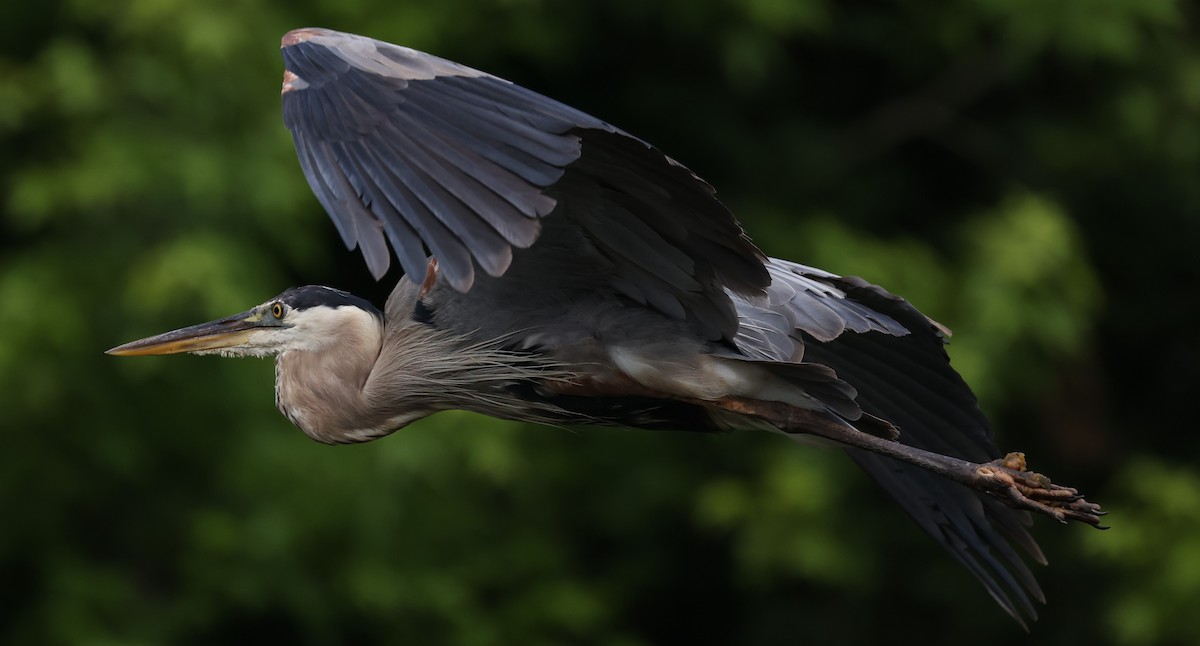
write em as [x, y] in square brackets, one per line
[277, 310]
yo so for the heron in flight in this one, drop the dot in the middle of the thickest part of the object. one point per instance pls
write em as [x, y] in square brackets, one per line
[562, 271]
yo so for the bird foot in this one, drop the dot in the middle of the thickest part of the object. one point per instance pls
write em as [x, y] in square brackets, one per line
[1009, 479]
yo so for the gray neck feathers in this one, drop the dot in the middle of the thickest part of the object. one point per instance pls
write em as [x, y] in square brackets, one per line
[367, 382]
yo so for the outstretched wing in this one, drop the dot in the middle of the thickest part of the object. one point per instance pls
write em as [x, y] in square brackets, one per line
[430, 155]
[894, 357]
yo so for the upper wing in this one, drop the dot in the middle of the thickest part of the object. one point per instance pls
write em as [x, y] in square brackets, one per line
[431, 155]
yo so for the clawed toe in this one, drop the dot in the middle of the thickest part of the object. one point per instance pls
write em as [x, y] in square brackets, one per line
[1009, 479]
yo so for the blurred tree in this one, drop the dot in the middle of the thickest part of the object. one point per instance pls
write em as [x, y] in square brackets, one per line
[1025, 172]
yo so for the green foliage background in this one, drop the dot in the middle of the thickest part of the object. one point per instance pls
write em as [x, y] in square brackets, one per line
[1026, 171]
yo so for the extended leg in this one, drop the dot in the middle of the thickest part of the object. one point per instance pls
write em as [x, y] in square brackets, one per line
[1006, 478]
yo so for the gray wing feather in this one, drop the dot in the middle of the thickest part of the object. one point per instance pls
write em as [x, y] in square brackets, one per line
[893, 357]
[423, 136]
[804, 300]
[406, 147]
[975, 529]
[896, 361]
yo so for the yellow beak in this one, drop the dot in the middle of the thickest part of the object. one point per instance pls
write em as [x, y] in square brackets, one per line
[214, 335]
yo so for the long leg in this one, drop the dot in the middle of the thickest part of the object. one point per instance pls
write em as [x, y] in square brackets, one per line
[1006, 478]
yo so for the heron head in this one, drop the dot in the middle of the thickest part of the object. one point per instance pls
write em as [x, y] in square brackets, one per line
[302, 318]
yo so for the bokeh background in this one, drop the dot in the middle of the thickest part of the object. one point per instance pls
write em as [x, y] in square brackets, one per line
[1026, 171]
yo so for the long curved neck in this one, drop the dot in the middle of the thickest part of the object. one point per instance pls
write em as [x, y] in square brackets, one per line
[360, 379]
[365, 380]
[321, 388]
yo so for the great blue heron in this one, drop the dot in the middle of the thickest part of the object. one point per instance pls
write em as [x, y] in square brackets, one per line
[615, 290]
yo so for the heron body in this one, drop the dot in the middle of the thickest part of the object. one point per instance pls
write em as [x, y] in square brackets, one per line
[564, 272]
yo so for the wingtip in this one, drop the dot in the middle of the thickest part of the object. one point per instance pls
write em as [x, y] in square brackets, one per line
[297, 36]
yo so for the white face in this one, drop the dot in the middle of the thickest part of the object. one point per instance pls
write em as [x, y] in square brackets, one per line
[312, 329]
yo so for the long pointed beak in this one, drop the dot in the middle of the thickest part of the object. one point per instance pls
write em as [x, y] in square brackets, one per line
[214, 335]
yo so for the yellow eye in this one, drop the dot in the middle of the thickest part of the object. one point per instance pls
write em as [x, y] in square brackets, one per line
[277, 310]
